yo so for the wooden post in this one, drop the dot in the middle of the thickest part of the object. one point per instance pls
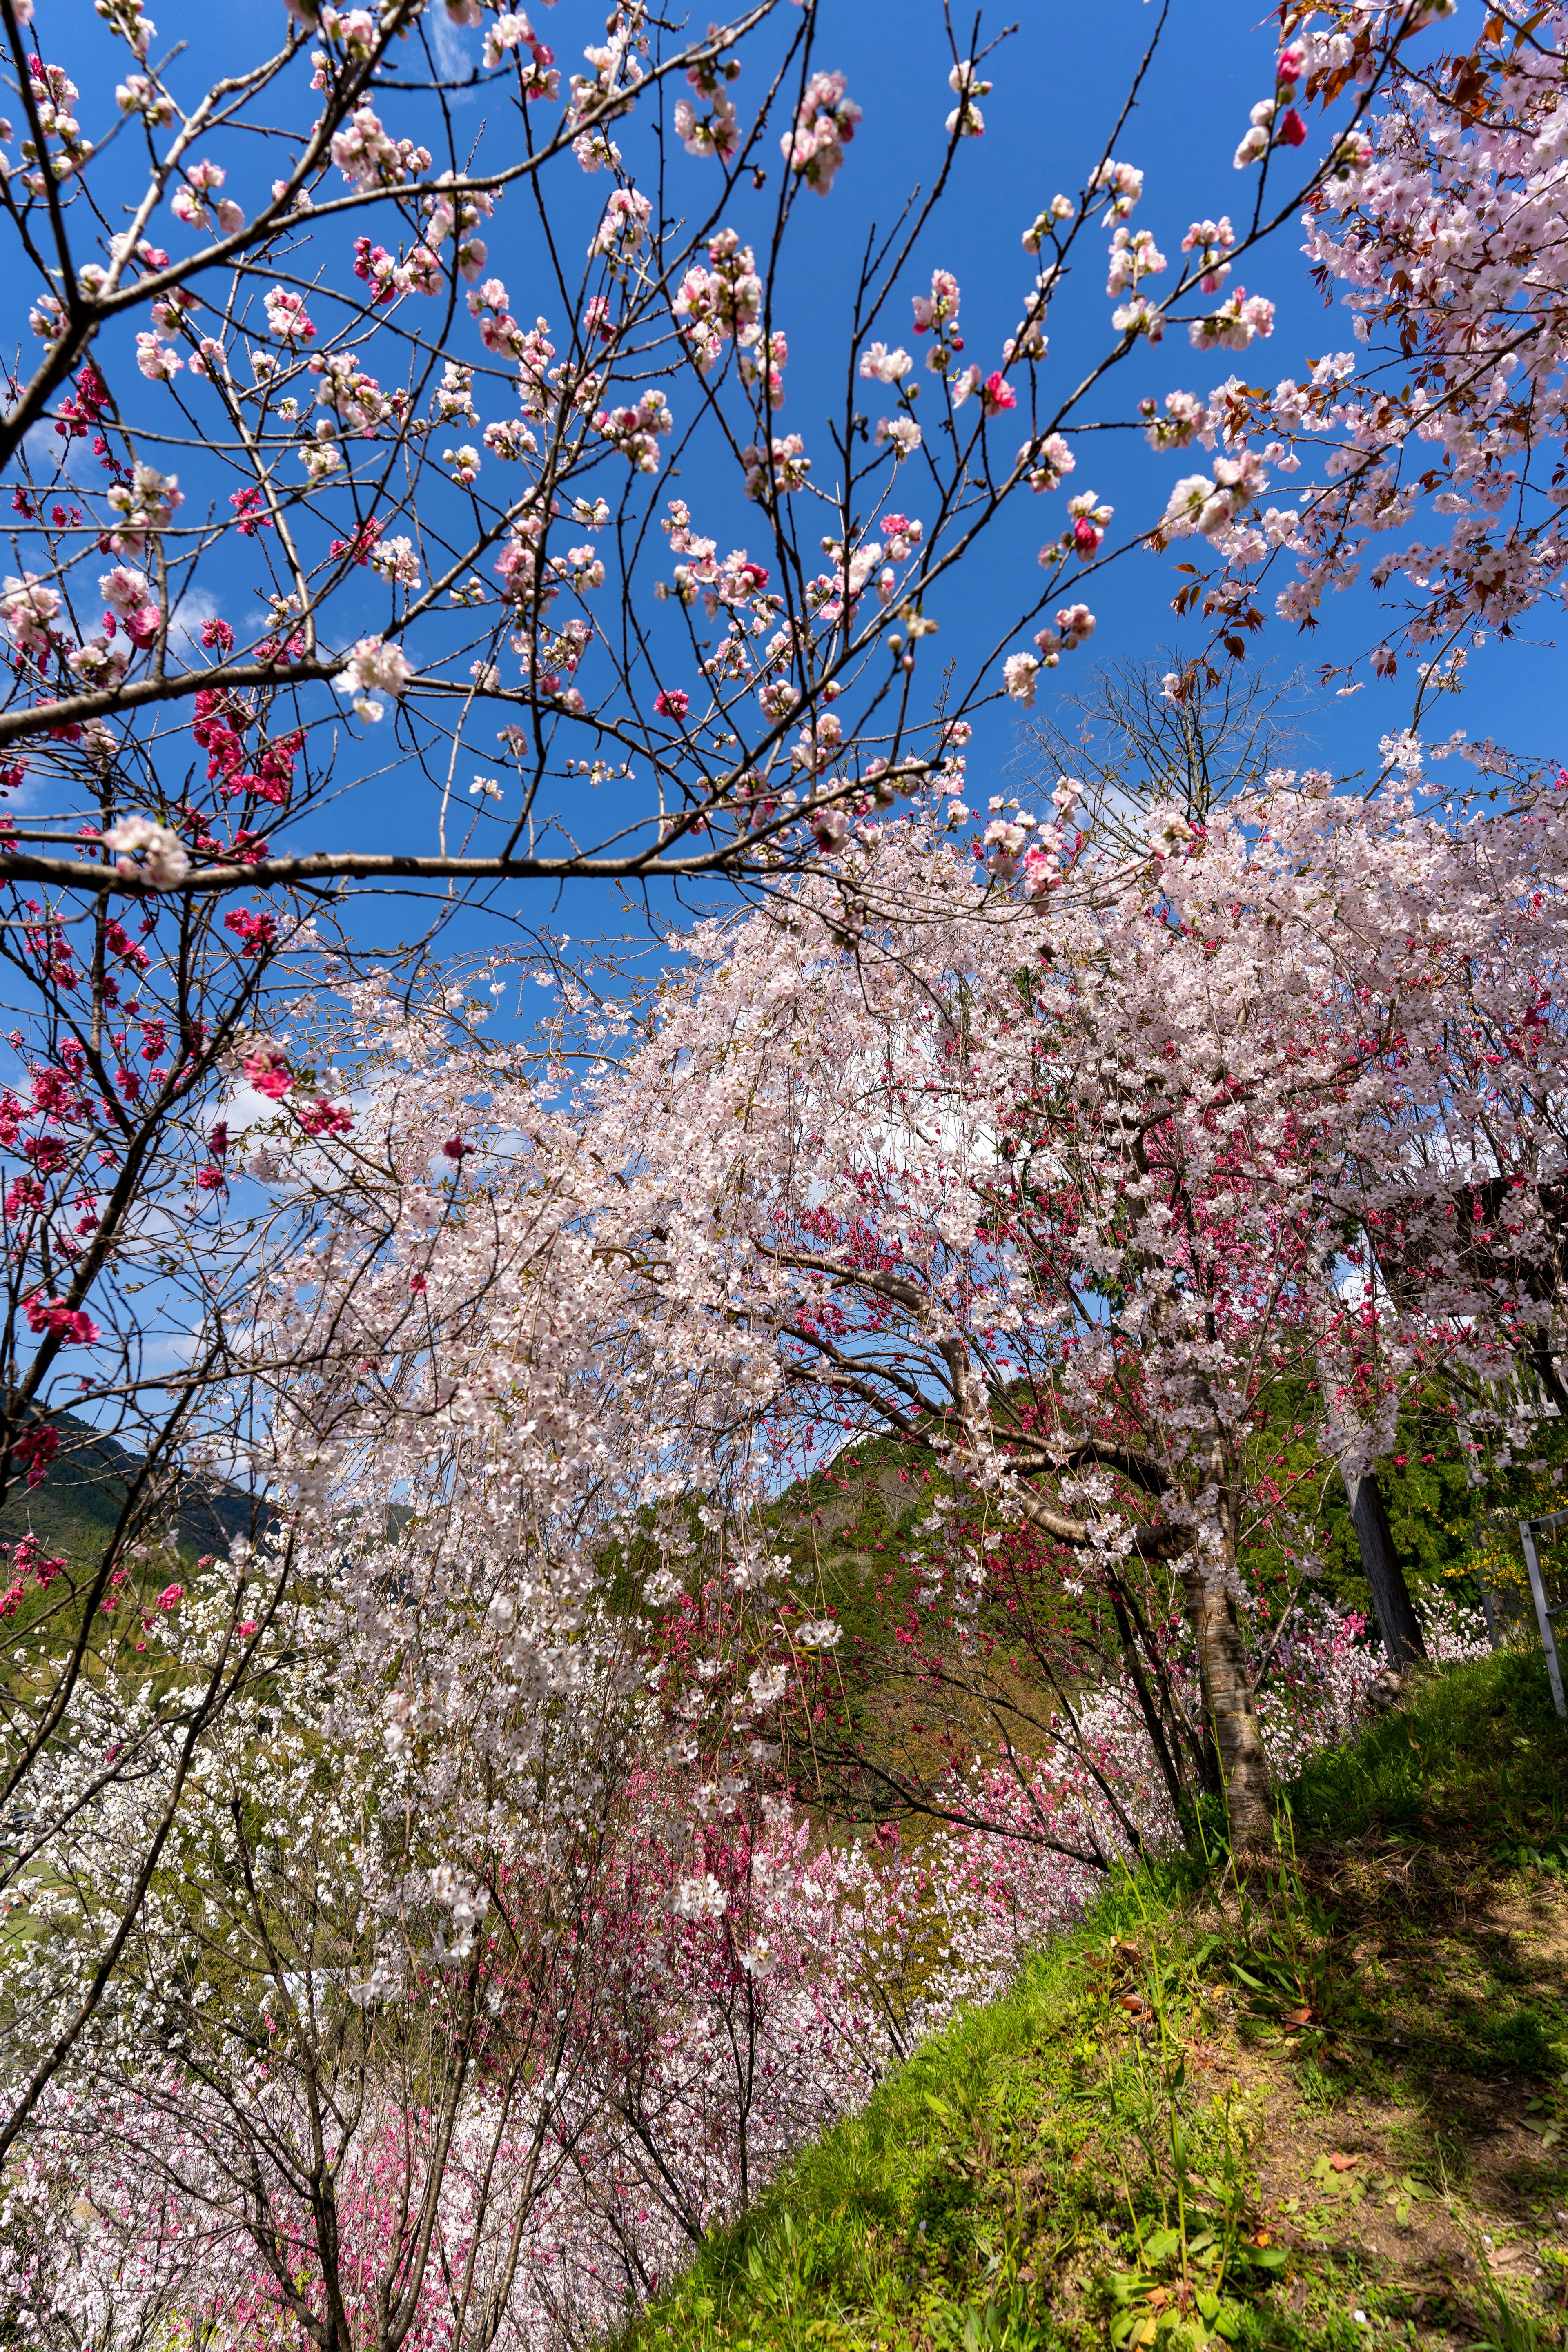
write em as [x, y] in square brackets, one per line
[1543, 1613]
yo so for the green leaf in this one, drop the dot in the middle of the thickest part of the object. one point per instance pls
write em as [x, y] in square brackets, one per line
[1161, 2245]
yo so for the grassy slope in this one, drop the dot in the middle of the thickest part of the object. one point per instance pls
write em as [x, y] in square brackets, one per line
[1326, 2115]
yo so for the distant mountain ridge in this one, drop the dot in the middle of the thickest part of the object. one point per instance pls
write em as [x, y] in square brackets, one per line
[75, 1509]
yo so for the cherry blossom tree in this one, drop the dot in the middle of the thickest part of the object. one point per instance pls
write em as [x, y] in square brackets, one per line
[1047, 1174]
[1148, 734]
[342, 1835]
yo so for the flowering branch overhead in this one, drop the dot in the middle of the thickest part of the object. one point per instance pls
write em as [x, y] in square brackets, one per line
[432, 509]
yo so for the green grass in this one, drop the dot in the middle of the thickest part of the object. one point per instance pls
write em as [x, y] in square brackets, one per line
[1322, 2111]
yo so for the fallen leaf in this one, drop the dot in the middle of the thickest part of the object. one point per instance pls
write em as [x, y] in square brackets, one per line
[1342, 2163]
[1133, 2005]
[1294, 2017]
[1261, 2238]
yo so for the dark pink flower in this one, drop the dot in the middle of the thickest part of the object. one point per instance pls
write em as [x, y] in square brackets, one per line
[268, 1071]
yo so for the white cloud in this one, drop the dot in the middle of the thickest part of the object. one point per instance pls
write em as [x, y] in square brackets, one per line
[192, 612]
[453, 55]
[52, 459]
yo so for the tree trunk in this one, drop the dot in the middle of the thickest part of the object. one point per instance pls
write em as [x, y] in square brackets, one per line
[1170, 1773]
[1227, 1706]
[1397, 1618]
[1182, 1741]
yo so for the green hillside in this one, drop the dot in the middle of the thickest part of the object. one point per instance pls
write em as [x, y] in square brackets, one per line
[1328, 2111]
